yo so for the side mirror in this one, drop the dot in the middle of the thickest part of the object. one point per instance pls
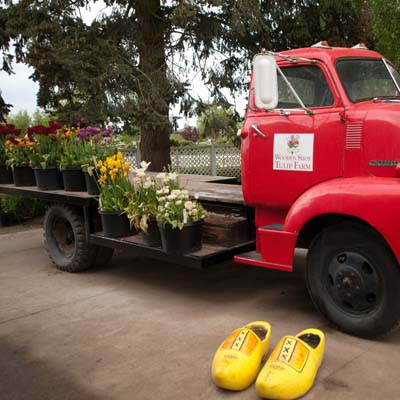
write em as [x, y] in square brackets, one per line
[265, 81]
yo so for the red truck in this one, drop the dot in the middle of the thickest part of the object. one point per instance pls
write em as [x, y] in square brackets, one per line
[320, 170]
[321, 167]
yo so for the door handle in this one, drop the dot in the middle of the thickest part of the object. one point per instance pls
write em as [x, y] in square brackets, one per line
[257, 131]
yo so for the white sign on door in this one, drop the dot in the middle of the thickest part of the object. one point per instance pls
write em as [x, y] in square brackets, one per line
[293, 151]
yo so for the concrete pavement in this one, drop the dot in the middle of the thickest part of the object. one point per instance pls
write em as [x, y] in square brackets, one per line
[140, 330]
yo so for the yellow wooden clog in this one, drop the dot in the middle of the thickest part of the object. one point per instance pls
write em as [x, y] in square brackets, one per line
[291, 369]
[237, 361]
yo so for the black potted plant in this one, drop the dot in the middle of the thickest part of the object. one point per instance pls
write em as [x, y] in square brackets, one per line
[114, 192]
[180, 220]
[6, 131]
[99, 146]
[73, 156]
[143, 204]
[46, 155]
[19, 154]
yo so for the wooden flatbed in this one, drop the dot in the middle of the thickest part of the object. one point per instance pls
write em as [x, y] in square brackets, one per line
[216, 193]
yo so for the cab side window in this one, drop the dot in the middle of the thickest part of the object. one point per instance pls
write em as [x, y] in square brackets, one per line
[310, 84]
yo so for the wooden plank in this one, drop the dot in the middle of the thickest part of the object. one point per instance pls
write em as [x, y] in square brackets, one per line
[78, 198]
[199, 185]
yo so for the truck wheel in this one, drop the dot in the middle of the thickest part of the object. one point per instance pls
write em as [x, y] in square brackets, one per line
[354, 280]
[65, 239]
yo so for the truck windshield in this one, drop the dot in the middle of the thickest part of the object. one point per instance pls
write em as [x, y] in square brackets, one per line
[365, 79]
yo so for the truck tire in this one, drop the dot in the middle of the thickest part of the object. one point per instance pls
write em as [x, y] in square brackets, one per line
[354, 280]
[65, 239]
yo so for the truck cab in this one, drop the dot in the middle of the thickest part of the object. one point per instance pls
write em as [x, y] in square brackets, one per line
[320, 165]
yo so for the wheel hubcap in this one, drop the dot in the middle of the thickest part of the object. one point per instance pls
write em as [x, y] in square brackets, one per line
[64, 237]
[353, 283]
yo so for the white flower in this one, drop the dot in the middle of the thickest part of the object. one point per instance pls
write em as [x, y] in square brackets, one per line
[147, 184]
[161, 176]
[140, 173]
[172, 176]
[171, 197]
[194, 211]
[166, 205]
[144, 165]
[188, 205]
[159, 191]
[178, 203]
[196, 196]
[184, 216]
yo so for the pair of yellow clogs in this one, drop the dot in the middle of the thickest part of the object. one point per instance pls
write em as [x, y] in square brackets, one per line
[289, 372]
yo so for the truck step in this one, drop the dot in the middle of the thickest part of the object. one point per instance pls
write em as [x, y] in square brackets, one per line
[255, 258]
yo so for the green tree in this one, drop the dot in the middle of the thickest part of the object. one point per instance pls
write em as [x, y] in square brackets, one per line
[22, 120]
[131, 65]
[385, 22]
[217, 121]
[4, 109]
[40, 118]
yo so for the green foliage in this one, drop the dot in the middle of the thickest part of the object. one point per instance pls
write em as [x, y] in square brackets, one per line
[22, 120]
[125, 141]
[387, 34]
[74, 153]
[47, 152]
[19, 208]
[40, 118]
[4, 109]
[217, 121]
[177, 140]
[122, 68]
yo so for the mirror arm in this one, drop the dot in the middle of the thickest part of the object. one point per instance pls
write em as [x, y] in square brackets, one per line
[292, 89]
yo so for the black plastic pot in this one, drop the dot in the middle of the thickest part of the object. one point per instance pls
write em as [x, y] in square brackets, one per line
[115, 224]
[92, 186]
[177, 241]
[23, 176]
[48, 178]
[152, 237]
[74, 180]
[5, 175]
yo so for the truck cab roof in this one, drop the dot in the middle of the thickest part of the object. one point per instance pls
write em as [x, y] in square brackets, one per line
[329, 54]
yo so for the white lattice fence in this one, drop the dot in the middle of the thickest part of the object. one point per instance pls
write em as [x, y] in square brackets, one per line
[227, 160]
[131, 156]
[222, 160]
[191, 159]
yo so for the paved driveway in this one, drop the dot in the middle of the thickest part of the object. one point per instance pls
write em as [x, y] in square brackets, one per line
[148, 330]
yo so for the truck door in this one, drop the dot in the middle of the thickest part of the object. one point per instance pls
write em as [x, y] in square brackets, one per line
[289, 151]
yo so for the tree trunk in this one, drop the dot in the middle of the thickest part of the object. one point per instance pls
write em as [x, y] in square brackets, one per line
[154, 90]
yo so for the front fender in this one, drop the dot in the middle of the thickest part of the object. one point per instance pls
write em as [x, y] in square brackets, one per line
[374, 200]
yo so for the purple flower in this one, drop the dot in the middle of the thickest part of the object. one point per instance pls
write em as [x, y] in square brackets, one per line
[107, 132]
[96, 138]
[92, 129]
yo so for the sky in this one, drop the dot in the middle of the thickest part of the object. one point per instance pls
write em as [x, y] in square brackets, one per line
[20, 91]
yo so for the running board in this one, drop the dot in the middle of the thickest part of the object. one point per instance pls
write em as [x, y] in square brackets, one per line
[254, 258]
[275, 249]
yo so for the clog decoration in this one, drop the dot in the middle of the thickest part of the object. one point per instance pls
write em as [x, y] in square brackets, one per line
[237, 361]
[290, 371]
